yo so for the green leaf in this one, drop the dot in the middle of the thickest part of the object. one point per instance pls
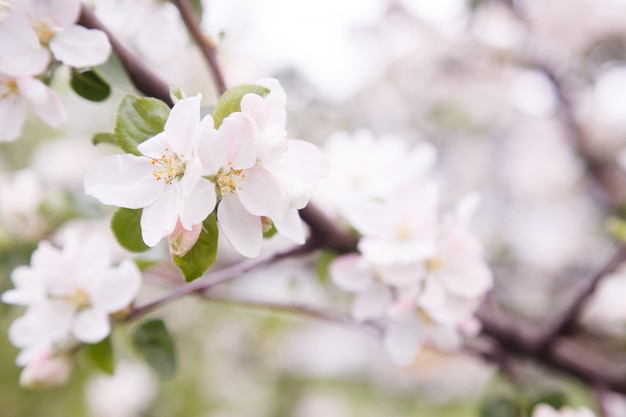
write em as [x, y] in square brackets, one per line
[230, 101]
[500, 407]
[104, 138]
[127, 229]
[88, 84]
[138, 119]
[155, 344]
[322, 264]
[101, 354]
[200, 258]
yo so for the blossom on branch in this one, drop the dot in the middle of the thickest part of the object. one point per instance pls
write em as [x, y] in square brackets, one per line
[69, 293]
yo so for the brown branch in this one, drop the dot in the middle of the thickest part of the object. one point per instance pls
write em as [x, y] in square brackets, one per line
[561, 355]
[567, 322]
[206, 45]
[141, 76]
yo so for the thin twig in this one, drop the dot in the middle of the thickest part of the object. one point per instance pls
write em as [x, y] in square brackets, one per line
[213, 278]
[567, 321]
[206, 45]
[295, 309]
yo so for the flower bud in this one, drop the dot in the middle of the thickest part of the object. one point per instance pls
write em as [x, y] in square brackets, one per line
[46, 370]
[182, 240]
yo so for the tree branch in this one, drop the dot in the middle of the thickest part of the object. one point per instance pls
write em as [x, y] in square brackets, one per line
[141, 76]
[213, 278]
[204, 43]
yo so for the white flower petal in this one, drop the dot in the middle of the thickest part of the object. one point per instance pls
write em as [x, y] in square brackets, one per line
[20, 51]
[261, 194]
[60, 13]
[182, 125]
[91, 325]
[45, 102]
[403, 340]
[243, 230]
[159, 219]
[349, 273]
[198, 204]
[117, 288]
[124, 181]
[290, 225]
[12, 115]
[77, 46]
[155, 147]
[237, 135]
[372, 303]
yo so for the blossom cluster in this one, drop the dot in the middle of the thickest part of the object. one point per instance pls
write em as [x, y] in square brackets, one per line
[246, 167]
[70, 294]
[421, 275]
[35, 37]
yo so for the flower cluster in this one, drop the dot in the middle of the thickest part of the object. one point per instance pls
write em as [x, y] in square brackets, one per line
[247, 168]
[70, 294]
[421, 275]
[34, 37]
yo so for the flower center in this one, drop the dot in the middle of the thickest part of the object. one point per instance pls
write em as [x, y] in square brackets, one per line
[43, 30]
[171, 167]
[228, 180]
[8, 87]
[403, 231]
[79, 299]
[434, 264]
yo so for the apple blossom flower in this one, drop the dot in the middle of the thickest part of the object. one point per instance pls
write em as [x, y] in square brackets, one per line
[544, 410]
[69, 292]
[166, 180]
[15, 92]
[247, 191]
[53, 24]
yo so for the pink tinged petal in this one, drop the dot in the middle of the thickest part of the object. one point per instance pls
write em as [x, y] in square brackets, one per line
[276, 101]
[350, 273]
[372, 303]
[60, 12]
[260, 193]
[46, 371]
[77, 46]
[403, 341]
[117, 288]
[124, 181]
[45, 102]
[290, 225]
[198, 204]
[243, 230]
[91, 325]
[12, 115]
[181, 240]
[253, 106]
[159, 219]
[20, 51]
[182, 125]
[238, 136]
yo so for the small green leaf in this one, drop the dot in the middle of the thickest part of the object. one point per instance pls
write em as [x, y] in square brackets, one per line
[101, 355]
[200, 258]
[139, 119]
[155, 344]
[176, 93]
[88, 84]
[230, 101]
[500, 407]
[127, 229]
[104, 138]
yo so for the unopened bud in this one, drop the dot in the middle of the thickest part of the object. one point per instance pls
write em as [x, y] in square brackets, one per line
[182, 240]
[46, 370]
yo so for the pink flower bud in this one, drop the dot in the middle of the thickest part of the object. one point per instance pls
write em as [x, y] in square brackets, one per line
[46, 370]
[182, 240]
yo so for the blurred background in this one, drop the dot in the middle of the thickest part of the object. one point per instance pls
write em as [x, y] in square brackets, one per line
[525, 102]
